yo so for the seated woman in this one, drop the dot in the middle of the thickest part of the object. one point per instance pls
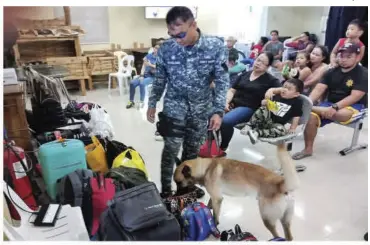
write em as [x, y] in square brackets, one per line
[245, 97]
[319, 59]
[146, 77]
[255, 51]
[300, 43]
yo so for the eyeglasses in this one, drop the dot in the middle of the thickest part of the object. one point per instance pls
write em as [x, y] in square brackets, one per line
[181, 35]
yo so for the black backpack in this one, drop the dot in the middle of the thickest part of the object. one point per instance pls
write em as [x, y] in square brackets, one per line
[138, 214]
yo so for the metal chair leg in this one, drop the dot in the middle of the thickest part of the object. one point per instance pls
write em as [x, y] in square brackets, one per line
[354, 143]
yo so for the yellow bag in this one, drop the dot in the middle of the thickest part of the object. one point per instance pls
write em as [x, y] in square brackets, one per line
[95, 156]
[272, 106]
[131, 159]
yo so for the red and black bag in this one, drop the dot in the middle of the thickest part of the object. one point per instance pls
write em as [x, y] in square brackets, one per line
[90, 191]
[211, 148]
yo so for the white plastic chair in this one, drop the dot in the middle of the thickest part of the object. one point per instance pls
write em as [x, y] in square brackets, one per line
[70, 225]
[306, 109]
[288, 50]
[124, 78]
[288, 139]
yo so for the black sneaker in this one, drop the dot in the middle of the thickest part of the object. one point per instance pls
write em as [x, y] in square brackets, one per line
[239, 235]
[365, 237]
[199, 192]
[164, 195]
[225, 235]
[130, 105]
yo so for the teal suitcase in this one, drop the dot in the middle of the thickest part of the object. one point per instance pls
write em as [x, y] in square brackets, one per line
[58, 159]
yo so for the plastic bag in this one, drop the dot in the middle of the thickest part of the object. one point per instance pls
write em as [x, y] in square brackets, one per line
[95, 156]
[100, 123]
[131, 159]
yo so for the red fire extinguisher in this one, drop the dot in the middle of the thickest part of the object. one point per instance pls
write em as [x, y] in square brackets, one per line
[16, 165]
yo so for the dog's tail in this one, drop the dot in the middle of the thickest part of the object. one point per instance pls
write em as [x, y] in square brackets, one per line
[291, 180]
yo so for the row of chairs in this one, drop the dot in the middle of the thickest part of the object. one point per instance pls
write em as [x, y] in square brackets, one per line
[307, 105]
[125, 78]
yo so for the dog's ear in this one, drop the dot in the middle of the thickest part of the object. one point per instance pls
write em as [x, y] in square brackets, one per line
[186, 171]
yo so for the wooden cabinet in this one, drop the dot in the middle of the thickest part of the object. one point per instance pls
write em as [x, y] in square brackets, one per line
[15, 121]
[64, 51]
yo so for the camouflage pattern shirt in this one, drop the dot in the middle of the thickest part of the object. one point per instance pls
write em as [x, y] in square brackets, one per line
[188, 72]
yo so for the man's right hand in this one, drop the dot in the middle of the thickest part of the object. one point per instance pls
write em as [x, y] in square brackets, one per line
[227, 107]
[150, 115]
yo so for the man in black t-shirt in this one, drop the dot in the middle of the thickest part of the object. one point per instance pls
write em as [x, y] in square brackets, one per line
[285, 106]
[347, 96]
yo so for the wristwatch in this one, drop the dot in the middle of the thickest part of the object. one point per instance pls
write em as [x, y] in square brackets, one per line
[335, 106]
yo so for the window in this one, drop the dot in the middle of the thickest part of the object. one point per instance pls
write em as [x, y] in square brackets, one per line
[245, 23]
[93, 20]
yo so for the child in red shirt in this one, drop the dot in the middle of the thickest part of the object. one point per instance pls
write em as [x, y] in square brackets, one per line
[355, 30]
[255, 51]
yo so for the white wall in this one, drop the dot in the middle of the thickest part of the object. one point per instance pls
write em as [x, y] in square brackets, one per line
[128, 24]
[292, 21]
[286, 20]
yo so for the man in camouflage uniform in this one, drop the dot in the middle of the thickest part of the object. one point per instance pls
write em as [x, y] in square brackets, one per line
[188, 63]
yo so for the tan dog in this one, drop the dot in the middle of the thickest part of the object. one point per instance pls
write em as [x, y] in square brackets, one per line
[234, 178]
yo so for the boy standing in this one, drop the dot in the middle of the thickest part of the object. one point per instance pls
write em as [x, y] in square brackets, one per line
[355, 30]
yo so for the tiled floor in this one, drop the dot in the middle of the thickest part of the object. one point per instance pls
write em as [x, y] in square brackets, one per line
[331, 203]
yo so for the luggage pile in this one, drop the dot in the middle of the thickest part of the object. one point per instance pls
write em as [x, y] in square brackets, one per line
[77, 163]
[109, 182]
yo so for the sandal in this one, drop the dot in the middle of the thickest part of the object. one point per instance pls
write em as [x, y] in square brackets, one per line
[277, 239]
[239, 235]
[225, 235]
[300, 155]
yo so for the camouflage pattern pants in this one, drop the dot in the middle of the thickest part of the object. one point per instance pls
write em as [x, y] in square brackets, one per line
[262, 124]
[194, 130]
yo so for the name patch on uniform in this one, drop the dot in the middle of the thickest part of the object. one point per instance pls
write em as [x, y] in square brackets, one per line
[173, 62]
[204, 61]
